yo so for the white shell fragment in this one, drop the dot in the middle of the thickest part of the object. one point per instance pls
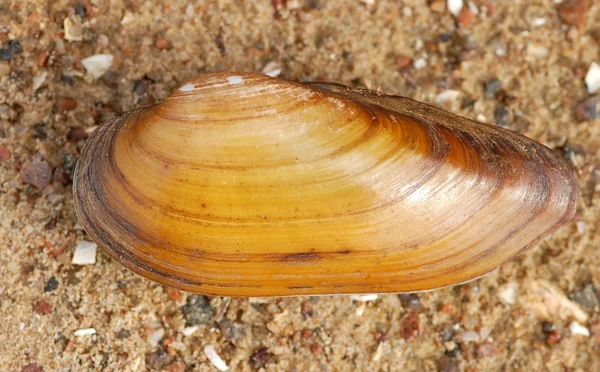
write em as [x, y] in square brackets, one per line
[73, 30]
[85, 253]
[38, 80]
[273, 69]
[187, 331]
[592, 78]
[97, 64]
[214, 358]
[85, 332]
[578, 329]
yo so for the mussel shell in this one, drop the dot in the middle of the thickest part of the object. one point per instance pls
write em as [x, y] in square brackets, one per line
[247, 185]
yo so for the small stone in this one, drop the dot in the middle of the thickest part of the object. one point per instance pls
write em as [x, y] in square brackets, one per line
[4, 153]
[42, 307]
[470, 336]
[589, 109]
[547, 327]
[73, 29]
[553, 337]
[51, 285]
[174, 294]
[364, 297]
[411, 327]
[410, 300]
[492, 87]
[587, 298]
[158, 359]
[501, 115]
[155, 336]
[188, 331]
[448, 365]
[177, 366]
[578, 330]
[162, 43]
[455, 7]
[65, 104]
[419, 63]
[453, 349]
[10, 49]
[98, 64]
[124, 333]
[32, 367]
[574, 12]
[36, 173]
[465, 17]
[403, 62]
[76, 134]
[592, 78]
[272, 69]
[85, 253]
[197, 310]
[260, 357]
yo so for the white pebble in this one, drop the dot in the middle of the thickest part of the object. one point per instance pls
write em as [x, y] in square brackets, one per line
[97, 64]
[189, 330]
[507, 294]
[85, 332]
[592, 78]
[85, 253]
[214, 358]
[419, 63]
[455, 7]
[578, 329]
[156, 336]
[365, 297]
[446, 96]
[235, 80]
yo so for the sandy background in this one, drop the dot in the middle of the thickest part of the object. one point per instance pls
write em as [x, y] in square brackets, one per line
[519, 64]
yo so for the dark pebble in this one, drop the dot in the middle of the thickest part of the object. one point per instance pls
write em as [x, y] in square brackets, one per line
[410, 300]
[587, 298]
[67, 79]
[158, 359]
[76, 134]
[588, 109]
[492, 87]
[80, 10]
[231, 330]
[444, 38]
[10, 49]
[36, 173]
[40, 131]
[32, 367]
[51, 285]
[260, 357]
[197, 310]
[501, 115]
[448, 365]
[454, 352]
[124, 333]
[547, 327]
[447, 333]
[65, 104]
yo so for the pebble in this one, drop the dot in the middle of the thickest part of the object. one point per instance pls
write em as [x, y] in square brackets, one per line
[73, 30]
[188, 331]
[42, 307]
[364, 297]
[586, 298]
[197, 310]
[65, 104]
[574, 12]
[578, 329]
[455, 7]
[4, 153]
[97, 64]
[403, 61]
[10, 49]
[260, 357]
[448, 365]
[589, 109]
[85, 332]
[155, 336]
[32, 367]
[36, 173]
[501, 115]
[470, 336]
[85, 253]
[76, 134]
[214, 358]
[492, 87]
[419, 63]
[465, 17]
[592, 78]
[51, 285]
[158, 359]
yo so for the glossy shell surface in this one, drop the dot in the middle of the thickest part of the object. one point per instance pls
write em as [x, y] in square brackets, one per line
[246, 185]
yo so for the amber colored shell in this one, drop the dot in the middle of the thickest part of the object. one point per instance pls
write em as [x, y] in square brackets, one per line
[247, 185]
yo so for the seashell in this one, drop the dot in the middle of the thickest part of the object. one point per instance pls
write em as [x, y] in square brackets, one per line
[247, 185]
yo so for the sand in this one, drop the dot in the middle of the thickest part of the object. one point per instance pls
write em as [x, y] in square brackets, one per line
[518, 64]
